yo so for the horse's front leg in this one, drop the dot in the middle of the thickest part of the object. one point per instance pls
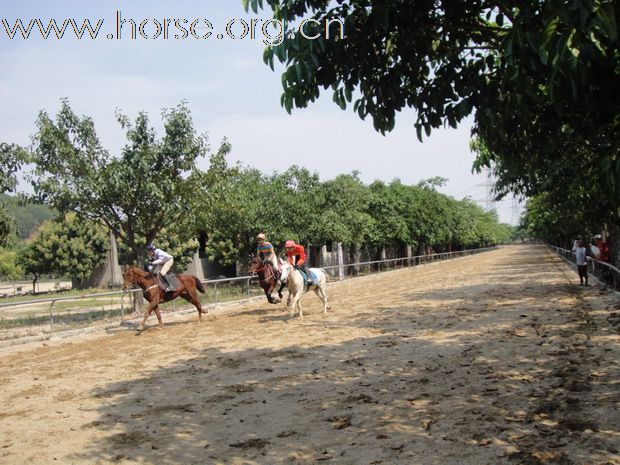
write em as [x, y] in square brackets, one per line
[280, 290]
[152, 306]
[293, 303]
[267, 292]
[274, 300]
[158, 314]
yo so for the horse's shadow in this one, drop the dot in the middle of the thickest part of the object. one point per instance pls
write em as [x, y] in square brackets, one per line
[265, 315]
[135, 326]
[284, 317]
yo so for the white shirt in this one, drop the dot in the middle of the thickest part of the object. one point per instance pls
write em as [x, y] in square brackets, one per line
[160, 257]
[580, 255]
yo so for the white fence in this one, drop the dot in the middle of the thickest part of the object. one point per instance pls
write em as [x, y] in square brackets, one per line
[44, 317]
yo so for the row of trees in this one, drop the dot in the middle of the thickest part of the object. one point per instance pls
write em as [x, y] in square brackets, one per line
[154, 191]
[540, 78]
[296, 205]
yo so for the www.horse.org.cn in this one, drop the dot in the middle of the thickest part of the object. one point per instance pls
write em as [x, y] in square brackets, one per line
[270, 31]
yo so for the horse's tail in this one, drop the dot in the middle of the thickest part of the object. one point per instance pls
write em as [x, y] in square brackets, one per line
[199, 285]
[325, 273]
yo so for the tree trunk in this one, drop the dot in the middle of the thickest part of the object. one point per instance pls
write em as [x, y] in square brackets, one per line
[613, 242]
[355, 257]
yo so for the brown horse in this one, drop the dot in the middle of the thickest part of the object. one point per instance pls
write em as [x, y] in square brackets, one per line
[266, 277]
[154, 294]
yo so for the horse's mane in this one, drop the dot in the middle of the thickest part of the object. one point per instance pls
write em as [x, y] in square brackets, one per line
[141, 272]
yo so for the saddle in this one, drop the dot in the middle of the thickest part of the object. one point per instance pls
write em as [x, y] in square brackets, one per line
[275, 271]
[172, 285]
[307, 278]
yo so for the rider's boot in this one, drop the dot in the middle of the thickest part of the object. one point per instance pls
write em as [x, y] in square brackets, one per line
[309, 276]
[165, 281]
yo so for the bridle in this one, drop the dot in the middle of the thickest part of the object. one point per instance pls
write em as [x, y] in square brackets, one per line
[262, 269]
[133, 281]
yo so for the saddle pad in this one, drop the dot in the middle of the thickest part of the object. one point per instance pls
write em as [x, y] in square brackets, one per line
[306, 279]
[174, 282]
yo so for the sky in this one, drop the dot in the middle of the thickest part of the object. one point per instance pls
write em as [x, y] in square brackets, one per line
[230, 91]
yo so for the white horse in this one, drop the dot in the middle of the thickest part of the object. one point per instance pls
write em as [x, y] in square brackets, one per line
[296, 288]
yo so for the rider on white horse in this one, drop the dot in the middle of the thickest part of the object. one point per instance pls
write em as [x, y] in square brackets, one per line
[296, 256]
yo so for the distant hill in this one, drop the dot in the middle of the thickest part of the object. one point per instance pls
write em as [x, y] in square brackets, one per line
[28, 215]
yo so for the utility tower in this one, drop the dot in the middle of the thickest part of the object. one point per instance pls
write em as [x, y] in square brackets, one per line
[488, 184]
[515, 211]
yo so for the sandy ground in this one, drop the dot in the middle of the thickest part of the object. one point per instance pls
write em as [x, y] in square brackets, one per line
[499, 358]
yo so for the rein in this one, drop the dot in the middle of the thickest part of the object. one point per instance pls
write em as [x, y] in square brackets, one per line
[266, 277]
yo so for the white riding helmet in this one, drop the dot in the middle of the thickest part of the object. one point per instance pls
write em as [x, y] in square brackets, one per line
[260, 237]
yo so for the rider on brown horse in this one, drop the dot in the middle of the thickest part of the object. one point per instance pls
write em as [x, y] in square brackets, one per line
[265, 252]
[161, 262]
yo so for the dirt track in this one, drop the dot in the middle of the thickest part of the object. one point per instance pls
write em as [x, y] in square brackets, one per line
[494, 359]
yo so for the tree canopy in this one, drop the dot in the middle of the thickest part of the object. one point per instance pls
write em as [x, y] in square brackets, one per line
[136, 193]
[12, 158]
[69, 246]
[540, 78]
[239, 202]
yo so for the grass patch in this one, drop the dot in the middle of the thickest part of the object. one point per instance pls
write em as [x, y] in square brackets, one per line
[61, 319]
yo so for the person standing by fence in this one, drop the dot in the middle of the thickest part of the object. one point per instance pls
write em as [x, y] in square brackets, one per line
[602, 247]
[581, 260]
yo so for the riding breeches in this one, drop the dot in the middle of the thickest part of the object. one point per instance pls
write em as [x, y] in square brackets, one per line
[164, 267]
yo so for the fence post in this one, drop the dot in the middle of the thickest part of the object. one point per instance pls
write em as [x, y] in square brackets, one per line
[340, 262]
[122, 305]
[52, 317]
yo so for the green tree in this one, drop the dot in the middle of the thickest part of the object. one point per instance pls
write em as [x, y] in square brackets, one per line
[12, 158]
[540, 78]
[7, 227]
[9, 269]
[343, 203]
[558, 219]
[136, 194]
[69, 246]
[227, 207]
[446, 58]
[433, 56]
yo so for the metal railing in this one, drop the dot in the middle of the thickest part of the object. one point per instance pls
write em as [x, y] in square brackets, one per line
[604, 271]
[43, 316]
